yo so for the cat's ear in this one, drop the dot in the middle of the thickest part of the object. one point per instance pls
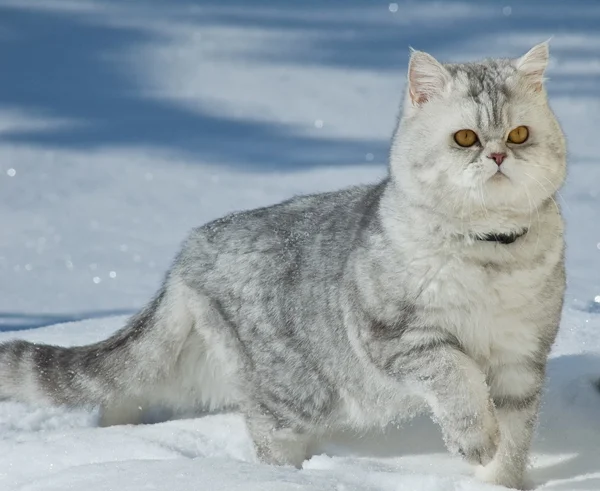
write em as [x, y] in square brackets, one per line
[533, 65]
[426, 77]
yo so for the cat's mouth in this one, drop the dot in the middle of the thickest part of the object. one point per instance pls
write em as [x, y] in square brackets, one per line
[499, 176]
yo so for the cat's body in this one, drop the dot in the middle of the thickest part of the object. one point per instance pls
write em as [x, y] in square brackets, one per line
[354, 308]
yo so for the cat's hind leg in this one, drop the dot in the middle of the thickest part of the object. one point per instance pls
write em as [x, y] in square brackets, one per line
[121, 413]
[276, 442]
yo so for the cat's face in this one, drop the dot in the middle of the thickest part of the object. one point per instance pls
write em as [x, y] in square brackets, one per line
[478, 138]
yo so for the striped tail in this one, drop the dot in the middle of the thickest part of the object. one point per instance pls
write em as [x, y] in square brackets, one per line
[122, 367]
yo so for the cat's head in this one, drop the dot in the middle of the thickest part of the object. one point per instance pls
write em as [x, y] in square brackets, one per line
[478, 137]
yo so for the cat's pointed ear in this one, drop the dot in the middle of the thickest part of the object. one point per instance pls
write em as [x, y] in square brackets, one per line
[426, 77]
[533, 65]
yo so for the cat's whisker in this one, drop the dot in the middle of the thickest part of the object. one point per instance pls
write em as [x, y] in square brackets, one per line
[545, 191]
[483, 201]
[428, 282]
[461, 214]
[540, 166]
[441, 200]
[558, 193]
[532, 205]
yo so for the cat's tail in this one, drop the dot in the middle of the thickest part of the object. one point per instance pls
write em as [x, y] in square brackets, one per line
[124, 367]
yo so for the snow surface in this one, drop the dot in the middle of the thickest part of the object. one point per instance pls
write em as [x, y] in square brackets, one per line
[124, 124]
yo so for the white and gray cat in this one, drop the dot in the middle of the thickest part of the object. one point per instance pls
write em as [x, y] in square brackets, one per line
[440, 287]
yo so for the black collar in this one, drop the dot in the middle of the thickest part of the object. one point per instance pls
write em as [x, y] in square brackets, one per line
[502, 238]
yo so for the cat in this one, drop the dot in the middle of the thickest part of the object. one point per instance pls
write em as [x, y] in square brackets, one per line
[438, 289]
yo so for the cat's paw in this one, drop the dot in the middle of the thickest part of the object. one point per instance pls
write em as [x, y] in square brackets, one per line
[479, 442]
[481, 453]
[509, 478]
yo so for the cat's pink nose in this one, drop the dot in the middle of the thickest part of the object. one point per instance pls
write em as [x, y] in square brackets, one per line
[497, 157]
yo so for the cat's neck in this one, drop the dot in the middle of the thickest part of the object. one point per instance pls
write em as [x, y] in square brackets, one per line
[405, 218]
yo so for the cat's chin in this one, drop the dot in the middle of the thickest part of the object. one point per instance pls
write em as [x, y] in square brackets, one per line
[499, 186]
[501, 192]
[498, 177]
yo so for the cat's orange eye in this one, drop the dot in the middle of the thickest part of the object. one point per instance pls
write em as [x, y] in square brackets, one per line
[465, 138]
[518, 135]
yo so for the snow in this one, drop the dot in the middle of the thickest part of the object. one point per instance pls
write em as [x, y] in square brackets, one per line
[124, 124]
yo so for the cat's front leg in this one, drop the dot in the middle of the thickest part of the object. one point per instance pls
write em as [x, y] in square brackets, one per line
[515, 389]
[453, 385]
